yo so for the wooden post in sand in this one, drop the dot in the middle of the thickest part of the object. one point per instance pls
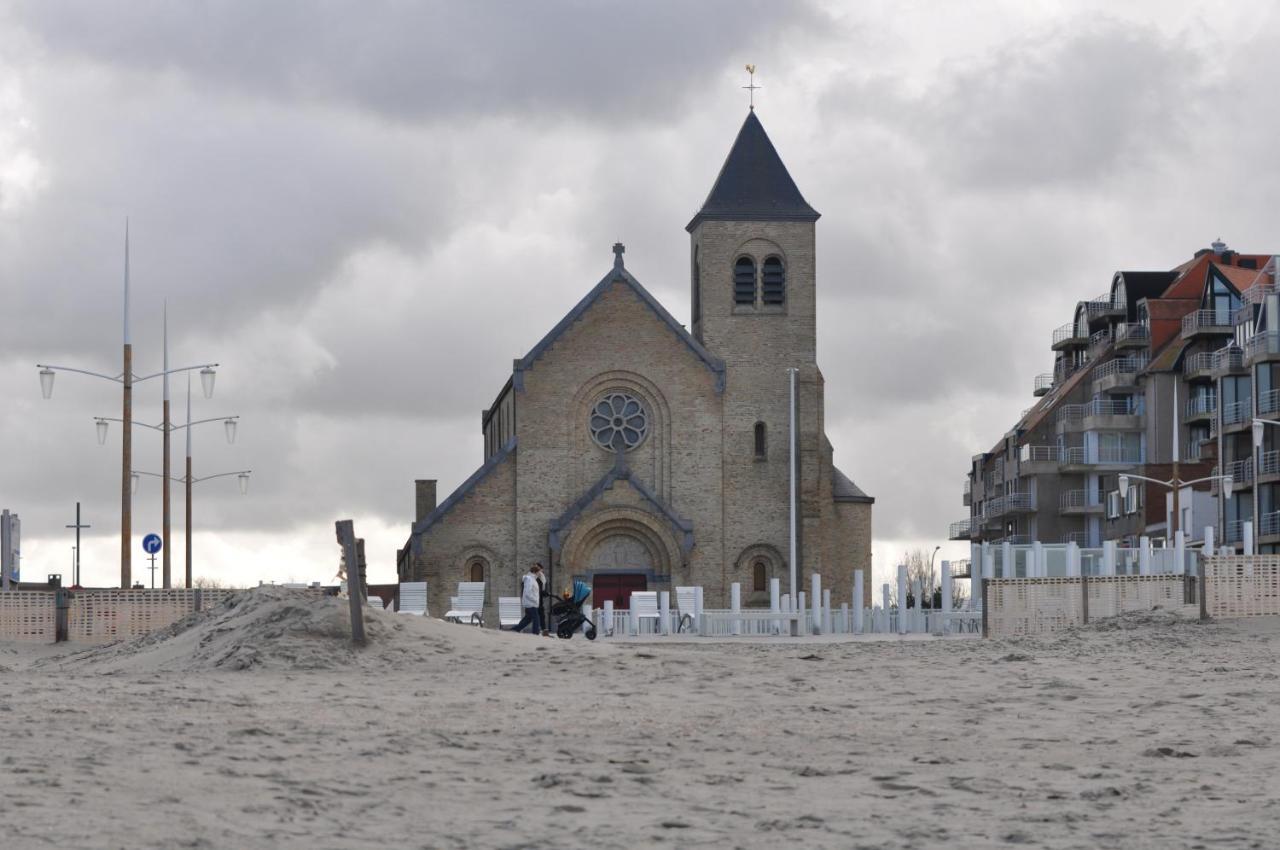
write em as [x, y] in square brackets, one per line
[1202, 598]
[1084, 599]
[347, 540]
[986, 627]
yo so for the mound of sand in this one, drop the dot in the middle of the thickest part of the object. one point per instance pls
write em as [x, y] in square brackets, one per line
[277, 628]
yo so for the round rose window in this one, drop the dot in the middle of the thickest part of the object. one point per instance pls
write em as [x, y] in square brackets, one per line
[619, 421]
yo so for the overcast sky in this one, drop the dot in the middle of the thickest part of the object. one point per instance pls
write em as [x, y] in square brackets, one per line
[365, 211]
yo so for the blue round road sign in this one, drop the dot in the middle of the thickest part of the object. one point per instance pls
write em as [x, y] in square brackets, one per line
[152, 544]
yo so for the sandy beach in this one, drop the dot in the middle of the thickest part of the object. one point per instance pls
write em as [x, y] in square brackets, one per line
[256, 727]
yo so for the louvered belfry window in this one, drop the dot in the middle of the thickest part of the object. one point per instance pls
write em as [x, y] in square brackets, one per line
[744, 281]
[775, 282]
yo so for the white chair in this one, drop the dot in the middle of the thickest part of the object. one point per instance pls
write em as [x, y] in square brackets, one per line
[375, 601]
[468, 605]
[644, 606]
[686, 608]
[413, 597]
[510, 611]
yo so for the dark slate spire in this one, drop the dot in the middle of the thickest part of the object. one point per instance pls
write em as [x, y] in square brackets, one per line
[754, 184]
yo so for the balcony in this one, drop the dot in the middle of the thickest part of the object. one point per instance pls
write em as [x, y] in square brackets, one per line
[1102, 308]
[1207, 323]
[1269, 465]
[1263, 346]
[1100, 415]
[1013, 503]
[1098, 342]
[1120, 373]
[1235, 416]
[1269, 525]
[1234, 531]
[960, 530]
[1079, 459]
[1227, 360]
[1257, 293]
[1078, 503]
[1241, 472]
[1269, 402]
[1133, 335]
[1066, 338]
[1200, 409]
[1198, 366]
[1038, 460]
[1044, 383]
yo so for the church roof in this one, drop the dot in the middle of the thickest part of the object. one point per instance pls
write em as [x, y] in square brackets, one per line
[619, 274]
[463, 491]
[753, 184]
[844, 490]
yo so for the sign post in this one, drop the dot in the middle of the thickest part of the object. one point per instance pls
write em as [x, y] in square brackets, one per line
[151, 544]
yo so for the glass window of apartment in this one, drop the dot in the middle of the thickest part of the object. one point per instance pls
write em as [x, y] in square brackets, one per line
[1268, 387]
[1196, 435]
[1119, 447]
[1224, 302]
[1236, 404]
[1267, 501]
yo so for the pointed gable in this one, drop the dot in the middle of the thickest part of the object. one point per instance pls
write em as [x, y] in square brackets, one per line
[753, 184]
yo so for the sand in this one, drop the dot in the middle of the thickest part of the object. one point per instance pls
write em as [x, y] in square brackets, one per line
[254, 726]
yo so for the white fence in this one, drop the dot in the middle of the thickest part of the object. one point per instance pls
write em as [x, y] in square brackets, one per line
[1242, 585]
[1031, 606]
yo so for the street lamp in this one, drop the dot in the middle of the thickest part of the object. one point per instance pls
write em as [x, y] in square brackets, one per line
[244, 483]
[230, 425]
[126, 379]
[206, 381]
[102, 432]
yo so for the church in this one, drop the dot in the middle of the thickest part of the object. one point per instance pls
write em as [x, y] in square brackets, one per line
[635, 454]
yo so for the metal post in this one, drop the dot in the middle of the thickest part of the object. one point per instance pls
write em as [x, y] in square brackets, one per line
[944, 625]
[126, 438]
[794, 588]
[166, 470]
[856, 602]
[347, 540]
[6, 550]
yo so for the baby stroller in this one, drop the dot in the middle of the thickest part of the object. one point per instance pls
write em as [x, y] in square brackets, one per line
[568, 612]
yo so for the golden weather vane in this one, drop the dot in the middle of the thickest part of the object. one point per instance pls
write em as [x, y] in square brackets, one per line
[751, 86]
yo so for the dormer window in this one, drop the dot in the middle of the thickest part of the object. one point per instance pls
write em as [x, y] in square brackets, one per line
[774, 279]
[744, 282]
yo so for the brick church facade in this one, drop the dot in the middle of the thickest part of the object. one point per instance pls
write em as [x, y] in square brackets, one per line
[632, 453]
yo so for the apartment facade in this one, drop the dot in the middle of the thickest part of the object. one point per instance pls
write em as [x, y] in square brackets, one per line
[1161, 376]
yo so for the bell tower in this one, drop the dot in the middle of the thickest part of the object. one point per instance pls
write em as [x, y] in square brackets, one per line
[752, 259]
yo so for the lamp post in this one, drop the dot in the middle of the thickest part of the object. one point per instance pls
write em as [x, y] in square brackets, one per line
[229, 424]
[242, 476]
[126, 378]
[1175, 484]
[933, 555]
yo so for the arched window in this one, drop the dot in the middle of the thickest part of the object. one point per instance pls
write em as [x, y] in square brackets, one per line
[475, 572]
[759, 577]
[774, 280]
[744, 282]
[761, 445]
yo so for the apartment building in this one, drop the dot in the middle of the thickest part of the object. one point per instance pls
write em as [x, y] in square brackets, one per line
[1162, 376]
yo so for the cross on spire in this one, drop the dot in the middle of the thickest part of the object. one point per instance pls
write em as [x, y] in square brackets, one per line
[751, 86]
[618, 249]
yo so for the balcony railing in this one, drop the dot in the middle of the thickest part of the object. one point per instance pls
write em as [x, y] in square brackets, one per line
[1101, 306]
[1235, 413]
[1076, 500]
[1039, 454]
[1120, 365]
[1269, 463]
[1269, 525]
[1201, 361]
[1119, 454]
[1241, 471]
[1100, 339]
[1080, 538]
[1257, 293]
[1234, 531]
[1228, 359]
[1010, 503]
[1075, 455]
[1067, 335]
[1044, 383]
[1202, 405]
[1269, 402]
[1207, 320]
[1100, 407]
[1135, 333]
[1267, 342]
[959, 530]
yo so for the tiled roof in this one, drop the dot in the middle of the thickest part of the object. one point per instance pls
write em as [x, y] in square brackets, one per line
[844, 490]
[462, 492]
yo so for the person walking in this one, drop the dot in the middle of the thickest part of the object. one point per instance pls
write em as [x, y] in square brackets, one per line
[530, 601]
[543, 594]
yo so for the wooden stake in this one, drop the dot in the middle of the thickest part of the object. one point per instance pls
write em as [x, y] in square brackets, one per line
[347, 540]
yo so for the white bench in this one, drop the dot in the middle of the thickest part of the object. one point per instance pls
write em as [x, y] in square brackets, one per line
[510, 612]
[644, 606]
[468, 605]
[413, 597]
[687, 608]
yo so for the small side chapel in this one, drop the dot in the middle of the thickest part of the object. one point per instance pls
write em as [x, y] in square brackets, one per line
[665, 462]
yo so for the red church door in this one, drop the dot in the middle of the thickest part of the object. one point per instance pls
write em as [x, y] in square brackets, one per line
[616, 587]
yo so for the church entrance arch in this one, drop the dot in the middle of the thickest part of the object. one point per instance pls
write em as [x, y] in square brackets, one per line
[619, 551]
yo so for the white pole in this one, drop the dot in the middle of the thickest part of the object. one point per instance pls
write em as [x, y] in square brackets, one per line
[802, 607]
[884, 592]
[794, 588]
[846, 625]
[1208, 539]
[944, 625]
[1144, 555]
[735, 605]
[815, 601]
[1248, 538]
[1007, 567]
[902, 599]
[1180, 551]
[775, 602]
[917, 606]
[856, 602]
[1226, 550]
[1109, 558]
[606, 618]
[697, 609]
[826, 612]
[1037, 569]
[1073, 560]
[664, 612]
[586, 613]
